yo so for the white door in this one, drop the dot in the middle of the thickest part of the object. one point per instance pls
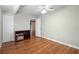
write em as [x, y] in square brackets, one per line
[38, 27]
[8, 32]
[0, 28]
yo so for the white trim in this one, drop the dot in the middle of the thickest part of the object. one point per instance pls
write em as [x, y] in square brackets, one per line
[61, 42]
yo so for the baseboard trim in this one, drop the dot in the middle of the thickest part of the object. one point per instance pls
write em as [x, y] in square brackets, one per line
[61, 42]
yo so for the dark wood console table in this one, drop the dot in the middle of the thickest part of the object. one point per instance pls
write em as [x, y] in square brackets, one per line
[22, 34]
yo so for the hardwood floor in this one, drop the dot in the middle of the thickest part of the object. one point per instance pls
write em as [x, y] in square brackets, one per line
[36, 46]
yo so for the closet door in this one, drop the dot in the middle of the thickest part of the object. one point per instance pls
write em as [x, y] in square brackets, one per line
[8, 32]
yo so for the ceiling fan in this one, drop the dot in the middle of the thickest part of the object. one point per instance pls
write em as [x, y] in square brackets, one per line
[46, 8]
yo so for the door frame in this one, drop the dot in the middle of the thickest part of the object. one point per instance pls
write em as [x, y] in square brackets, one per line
[30, 25]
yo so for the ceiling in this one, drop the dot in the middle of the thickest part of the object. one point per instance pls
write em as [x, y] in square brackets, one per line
[26, 9]
[7, 8]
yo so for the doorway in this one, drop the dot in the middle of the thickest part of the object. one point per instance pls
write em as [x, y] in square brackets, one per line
[32, 28]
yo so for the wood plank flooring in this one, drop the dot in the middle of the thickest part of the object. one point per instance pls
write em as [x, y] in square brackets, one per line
[36, 46]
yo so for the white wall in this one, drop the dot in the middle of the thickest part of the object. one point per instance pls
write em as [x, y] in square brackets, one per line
[0, 28]
[22, 22]
[38, 27]
[8, 28]
[62, 25]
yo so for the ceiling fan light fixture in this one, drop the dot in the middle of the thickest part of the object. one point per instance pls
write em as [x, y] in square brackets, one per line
[43, 11]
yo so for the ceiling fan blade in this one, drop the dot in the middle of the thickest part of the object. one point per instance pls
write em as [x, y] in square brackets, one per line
[50, 9]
